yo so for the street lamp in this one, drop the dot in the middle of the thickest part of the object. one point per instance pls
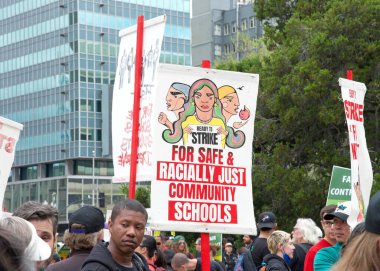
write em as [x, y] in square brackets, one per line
[237, 30]
[93, 177]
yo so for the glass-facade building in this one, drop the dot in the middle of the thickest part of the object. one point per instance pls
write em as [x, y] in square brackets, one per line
[58, 62]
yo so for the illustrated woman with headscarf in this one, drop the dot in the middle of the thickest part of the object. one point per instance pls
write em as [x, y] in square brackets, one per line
[203, 108]
[176, 99]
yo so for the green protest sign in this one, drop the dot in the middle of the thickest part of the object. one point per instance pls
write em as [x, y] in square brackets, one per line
[216, 239]
[340, 185]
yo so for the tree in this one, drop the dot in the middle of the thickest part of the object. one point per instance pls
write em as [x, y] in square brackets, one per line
[142, 193]
[300, 129]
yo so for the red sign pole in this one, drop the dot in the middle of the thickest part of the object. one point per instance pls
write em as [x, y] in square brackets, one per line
[136, 106]
[205, 237]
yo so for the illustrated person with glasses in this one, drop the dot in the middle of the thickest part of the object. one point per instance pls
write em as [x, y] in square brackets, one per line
[327, 241]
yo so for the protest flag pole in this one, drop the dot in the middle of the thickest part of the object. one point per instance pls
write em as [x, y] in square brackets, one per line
[349, 75]
[205, 237]
[136, 106]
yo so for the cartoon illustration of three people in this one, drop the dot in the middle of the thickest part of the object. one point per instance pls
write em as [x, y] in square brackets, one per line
[203, 106]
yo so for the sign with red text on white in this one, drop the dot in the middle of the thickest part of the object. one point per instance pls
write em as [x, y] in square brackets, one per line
[361, 169]
[204, 122]
[9, 134]
[122, 101]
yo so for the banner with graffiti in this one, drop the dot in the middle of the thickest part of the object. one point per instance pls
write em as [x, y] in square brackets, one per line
[204, 122]
[122, 103]
[361, 169]
[9, 134]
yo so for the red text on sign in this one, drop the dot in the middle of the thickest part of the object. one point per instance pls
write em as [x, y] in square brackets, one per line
[353, 110]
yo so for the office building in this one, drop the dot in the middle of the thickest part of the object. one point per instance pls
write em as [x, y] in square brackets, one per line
[222, 29]
[58, 61]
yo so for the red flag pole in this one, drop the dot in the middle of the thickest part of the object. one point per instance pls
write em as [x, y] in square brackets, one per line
[205, 237]
[136, 106]
[350, 75]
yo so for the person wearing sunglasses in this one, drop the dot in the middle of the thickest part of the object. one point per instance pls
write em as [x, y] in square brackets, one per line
[180, 246]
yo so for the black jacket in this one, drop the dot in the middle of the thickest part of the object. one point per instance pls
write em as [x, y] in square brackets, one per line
[100, 259]
[275, 263]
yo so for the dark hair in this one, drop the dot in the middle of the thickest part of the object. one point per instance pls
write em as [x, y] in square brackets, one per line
[326, 210]
[160, 259]
[11, 252]
[128, 204]
[33, 210]
[150, 244]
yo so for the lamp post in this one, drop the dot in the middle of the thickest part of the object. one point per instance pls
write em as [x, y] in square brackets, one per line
[93, 177]
[237, 30]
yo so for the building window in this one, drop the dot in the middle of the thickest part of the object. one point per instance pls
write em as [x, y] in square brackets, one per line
[252, 22]
[233, 28]
[227, 49]
[55, 169]
[244, 24]
[226, 29]
[217, 30]
[28, 173]
[218, 50]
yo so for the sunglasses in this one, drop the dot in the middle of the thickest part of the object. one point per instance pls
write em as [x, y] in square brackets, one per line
[158, 243]
[181, 243]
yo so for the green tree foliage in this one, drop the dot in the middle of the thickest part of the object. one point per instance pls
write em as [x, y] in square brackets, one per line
[142, 194]
[300, 129]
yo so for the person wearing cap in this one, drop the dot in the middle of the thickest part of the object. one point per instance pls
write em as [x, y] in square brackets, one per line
[180, 246]
[126, 227]
[363, 251]
[327, 257]
[45, 219]
[84, 232]
[32, 249]
[229, 257]
[327, 241]
[267, 224]
[176, 98]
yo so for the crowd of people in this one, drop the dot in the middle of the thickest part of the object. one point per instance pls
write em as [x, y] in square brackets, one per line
[27, 239]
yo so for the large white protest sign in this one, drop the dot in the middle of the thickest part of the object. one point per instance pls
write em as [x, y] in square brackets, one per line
[122, 105]
[361, 169]
[202, 149]
[9, 134]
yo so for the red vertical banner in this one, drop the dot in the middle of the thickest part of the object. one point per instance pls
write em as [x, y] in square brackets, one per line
[205, 237]
[136, 106]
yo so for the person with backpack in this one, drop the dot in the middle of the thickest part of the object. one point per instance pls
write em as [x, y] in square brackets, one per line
[305, 235]
[281, 248]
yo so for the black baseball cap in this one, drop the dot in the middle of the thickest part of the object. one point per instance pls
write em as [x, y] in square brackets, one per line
[90, 217]
[267, 220]
[372, 219]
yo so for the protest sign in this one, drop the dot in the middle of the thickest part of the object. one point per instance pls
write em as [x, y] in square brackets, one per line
[9, 134]
[361, 169]
[340, 186]
[203, 150]
[122, 102]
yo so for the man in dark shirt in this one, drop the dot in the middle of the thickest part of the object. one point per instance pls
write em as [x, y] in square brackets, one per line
[259, 248]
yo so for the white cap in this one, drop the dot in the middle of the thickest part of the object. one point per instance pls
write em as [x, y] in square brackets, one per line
[37, 249]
